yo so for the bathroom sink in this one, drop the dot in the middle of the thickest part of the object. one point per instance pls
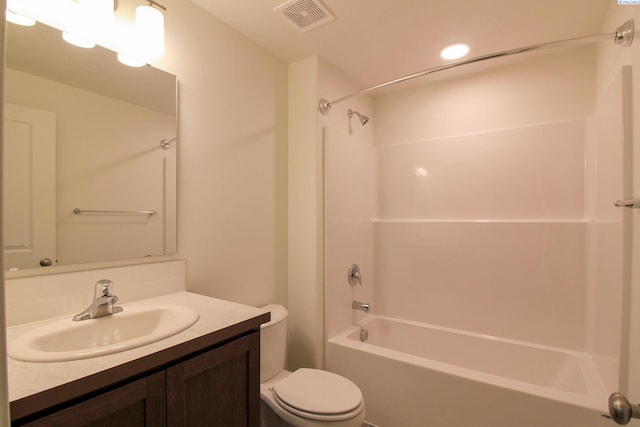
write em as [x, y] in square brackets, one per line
[64, 339]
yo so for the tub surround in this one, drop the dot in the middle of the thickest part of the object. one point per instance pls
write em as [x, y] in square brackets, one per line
[37, 386]
[492, 213]
[486, 232]
[474, 233]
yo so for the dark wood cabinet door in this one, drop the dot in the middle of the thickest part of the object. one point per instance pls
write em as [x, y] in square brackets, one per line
[218, 388]
[139, 403]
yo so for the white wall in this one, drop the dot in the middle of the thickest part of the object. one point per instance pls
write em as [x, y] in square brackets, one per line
[305, 291]
[232, 173]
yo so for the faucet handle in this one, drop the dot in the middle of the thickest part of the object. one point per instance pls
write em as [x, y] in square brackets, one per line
[103, 288]
[354, 276]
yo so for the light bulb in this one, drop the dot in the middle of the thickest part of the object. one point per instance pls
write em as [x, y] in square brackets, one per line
[102, 9]
[99, 14]
[53, 13]
[131, 62]
[77, 41]
[19, 19]
[150, 31]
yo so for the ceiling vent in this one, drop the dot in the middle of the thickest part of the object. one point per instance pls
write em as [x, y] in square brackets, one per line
[305, 15]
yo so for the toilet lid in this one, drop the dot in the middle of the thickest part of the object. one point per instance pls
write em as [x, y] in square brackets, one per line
[313, 391]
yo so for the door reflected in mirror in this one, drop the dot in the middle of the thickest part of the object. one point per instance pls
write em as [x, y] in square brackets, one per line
[83, 131]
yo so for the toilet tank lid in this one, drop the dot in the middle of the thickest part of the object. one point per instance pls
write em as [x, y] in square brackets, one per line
[278, 314]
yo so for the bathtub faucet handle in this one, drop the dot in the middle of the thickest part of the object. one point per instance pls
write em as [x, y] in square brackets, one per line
[354, 275]
[620, 410]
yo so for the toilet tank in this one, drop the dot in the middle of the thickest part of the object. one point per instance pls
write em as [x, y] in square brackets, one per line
[273, 342]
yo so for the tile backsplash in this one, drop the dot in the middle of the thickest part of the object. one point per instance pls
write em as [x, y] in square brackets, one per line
[31, 299]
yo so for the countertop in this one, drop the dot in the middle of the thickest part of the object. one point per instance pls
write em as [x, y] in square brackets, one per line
[35, 384]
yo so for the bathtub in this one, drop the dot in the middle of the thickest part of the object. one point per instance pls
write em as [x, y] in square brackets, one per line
[416, 375]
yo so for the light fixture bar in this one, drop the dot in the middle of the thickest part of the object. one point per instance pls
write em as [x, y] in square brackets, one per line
[89, 20]
[19, 19]
[155, 3]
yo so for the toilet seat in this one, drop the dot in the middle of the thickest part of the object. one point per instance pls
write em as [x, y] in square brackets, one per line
[318, 395]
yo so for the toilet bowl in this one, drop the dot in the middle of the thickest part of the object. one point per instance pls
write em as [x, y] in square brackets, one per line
[306, 397]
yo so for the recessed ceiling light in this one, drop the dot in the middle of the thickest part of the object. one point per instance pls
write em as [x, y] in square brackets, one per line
[454, 51]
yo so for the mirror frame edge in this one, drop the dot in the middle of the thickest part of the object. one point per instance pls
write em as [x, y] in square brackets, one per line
[5, 420]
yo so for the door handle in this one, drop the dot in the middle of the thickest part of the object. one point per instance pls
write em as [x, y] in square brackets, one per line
[620, 410]
[632, 203]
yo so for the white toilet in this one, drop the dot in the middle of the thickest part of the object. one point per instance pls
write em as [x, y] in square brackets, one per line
[306, 397]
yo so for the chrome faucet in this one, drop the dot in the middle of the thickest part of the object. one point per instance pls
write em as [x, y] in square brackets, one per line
[364, 306]
[104, 303]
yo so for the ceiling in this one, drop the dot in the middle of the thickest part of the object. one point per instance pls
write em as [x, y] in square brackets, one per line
[373, 41]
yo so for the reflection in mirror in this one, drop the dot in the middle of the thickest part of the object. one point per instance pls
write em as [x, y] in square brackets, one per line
[83, 131]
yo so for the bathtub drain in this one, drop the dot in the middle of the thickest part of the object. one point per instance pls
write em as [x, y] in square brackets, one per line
[364, 335]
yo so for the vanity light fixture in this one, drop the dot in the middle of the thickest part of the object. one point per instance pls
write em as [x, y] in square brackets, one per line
[129, 61]
[47, 12]
[454, 51]
[87, 23]
[147, 41]
[82, 22]
[150, 27]
[16, 18]
[77, 41]
[93, 16]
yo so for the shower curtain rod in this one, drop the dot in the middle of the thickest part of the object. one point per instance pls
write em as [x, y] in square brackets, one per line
[622, 36]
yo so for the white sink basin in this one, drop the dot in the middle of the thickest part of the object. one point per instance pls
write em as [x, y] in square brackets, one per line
[63, 339]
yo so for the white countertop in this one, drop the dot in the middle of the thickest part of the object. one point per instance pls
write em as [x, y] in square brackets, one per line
[26, 378]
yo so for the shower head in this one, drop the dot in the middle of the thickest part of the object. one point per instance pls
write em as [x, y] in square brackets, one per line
[363, 119]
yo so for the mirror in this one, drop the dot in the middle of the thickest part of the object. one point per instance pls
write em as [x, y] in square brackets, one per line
[83, 132]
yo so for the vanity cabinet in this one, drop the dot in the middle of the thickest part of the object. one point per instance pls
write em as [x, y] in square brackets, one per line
[215, 386]
[139, 403]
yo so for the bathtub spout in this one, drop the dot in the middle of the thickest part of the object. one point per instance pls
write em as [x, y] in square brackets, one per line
[364, 306]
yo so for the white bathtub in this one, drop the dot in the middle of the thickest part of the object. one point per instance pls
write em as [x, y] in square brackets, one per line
[418, 375]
